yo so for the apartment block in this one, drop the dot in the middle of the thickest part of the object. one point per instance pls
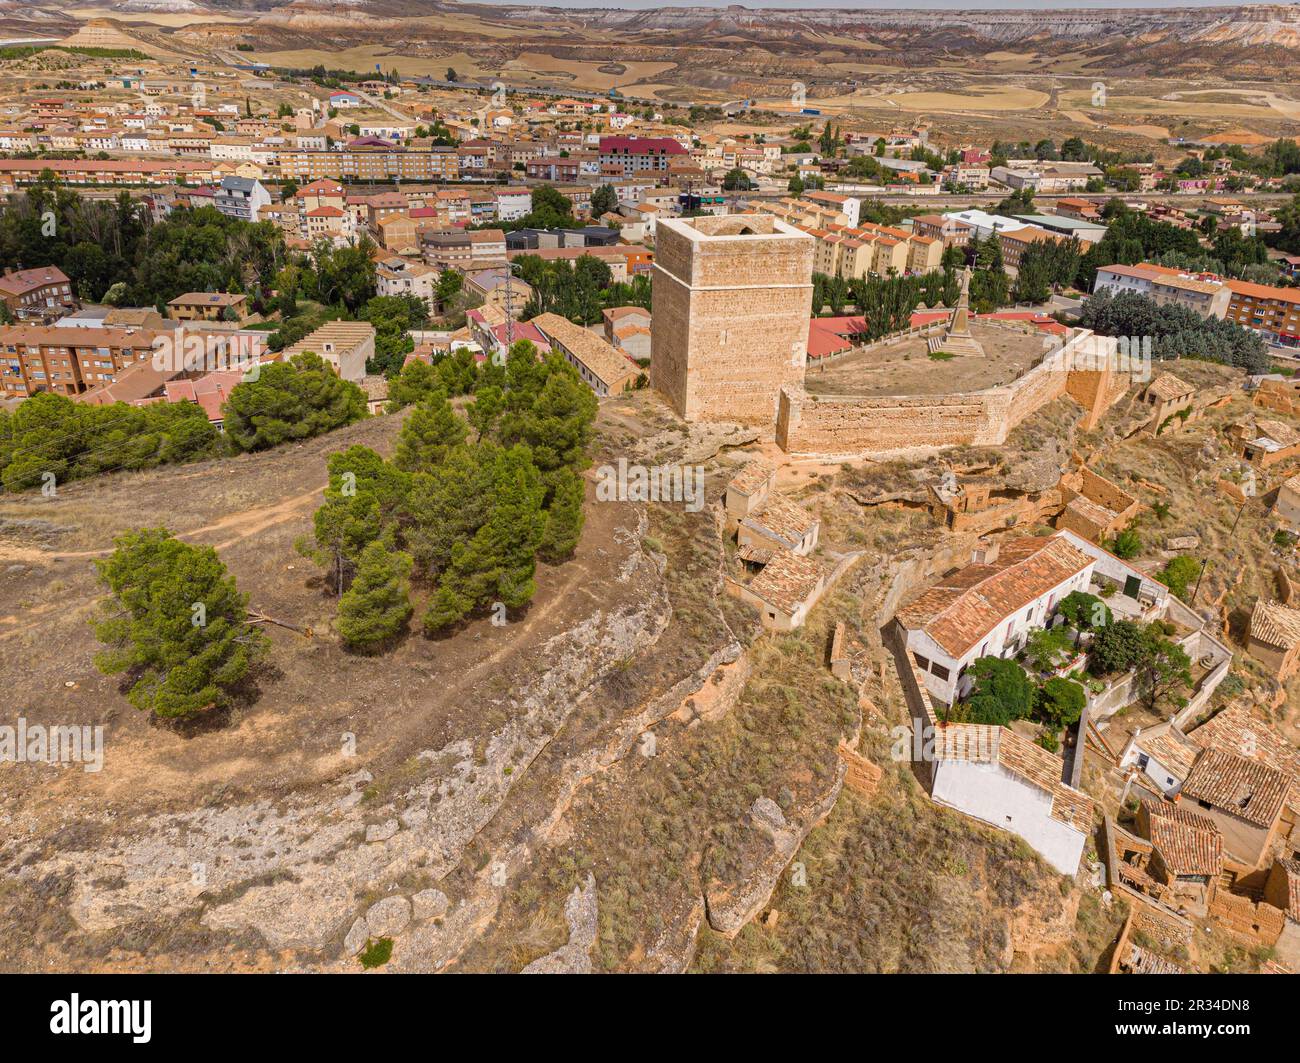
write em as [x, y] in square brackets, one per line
[37, 293]
[1207, 296]
[1274, 312]
[67, 361]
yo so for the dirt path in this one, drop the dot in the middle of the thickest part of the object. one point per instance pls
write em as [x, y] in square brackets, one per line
[249, 522]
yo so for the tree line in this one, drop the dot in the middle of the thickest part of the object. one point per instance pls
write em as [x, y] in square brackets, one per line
[1175, 331]
[114, 246]
[51, 438]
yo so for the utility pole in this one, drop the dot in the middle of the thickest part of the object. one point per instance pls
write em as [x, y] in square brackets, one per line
[510, 306]
[1197, 589]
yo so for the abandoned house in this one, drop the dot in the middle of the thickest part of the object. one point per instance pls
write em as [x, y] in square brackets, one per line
[784, 591]
[1094, 507]
[1168, 396]
[1265, 442]
[1275, 637]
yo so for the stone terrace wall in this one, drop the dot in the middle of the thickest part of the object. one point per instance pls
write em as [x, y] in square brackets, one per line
[860, 423]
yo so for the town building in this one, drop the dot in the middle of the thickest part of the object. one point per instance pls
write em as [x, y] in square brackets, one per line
[1168, 396]
[1095, 508]
[628, 328]
[241, 197]
[1273, 312]
[785, 590]
[1089, 232]
[605, 370]
[40, 293]
[1286, 507]
[1004, 779]
[989, 608]
[500, 288]
[400, 276]
[67, 361]
[345, 345]
[1274, 638]
[209, 306]
[1165, 286]
[629, 155]
[1265, 442]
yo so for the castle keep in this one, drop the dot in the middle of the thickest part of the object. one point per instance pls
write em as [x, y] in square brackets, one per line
[732, 305]
[732, 299]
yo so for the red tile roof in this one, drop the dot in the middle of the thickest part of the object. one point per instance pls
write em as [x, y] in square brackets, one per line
[964, 607]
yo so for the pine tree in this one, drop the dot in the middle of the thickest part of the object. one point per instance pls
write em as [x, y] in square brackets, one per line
[377, 606]
[499, 562]
[415, 383]
[558, 426]
[449, 604]
[364, 497]
[564, 517]
[448, 504]
[431, 430]
[483, 412]
[176, 621]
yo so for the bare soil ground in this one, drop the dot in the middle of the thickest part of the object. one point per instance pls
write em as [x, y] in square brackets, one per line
[290, 733]
[906, 368]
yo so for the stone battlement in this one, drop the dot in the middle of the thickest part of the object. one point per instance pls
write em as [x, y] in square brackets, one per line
[879, 424]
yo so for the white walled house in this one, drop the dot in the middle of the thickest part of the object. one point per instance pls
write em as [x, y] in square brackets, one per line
[1009, 782]
[996, 775]
[513, 203]
[989, 608]
[1163, 754]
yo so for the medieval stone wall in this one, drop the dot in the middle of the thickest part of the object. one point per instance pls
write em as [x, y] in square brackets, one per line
[845, 424]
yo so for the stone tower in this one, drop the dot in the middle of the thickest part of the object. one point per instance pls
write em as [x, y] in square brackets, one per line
[732, 301]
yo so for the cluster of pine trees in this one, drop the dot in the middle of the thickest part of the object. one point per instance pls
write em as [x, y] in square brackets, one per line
[887, 303]
[467, 505]
[1174, 331]
[50, 439]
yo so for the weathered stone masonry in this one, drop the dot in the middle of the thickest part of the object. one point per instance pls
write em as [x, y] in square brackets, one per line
[732, 299]
[857, 423]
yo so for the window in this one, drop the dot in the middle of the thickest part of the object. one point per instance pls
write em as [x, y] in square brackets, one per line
[921, 662]
[940, 672]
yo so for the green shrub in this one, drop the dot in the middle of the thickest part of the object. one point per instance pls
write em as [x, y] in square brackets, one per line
[376, 953]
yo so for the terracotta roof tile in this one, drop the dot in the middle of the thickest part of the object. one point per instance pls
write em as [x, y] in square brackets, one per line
[968, 604]
[1189, 844]
[788, 580]
[1248, 789]
[1168, 387]
[752, 476]
[781, 519]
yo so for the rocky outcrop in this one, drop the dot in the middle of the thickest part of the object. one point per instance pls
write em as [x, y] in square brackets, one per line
[575, 956]
[293, 870]
[732, 903]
